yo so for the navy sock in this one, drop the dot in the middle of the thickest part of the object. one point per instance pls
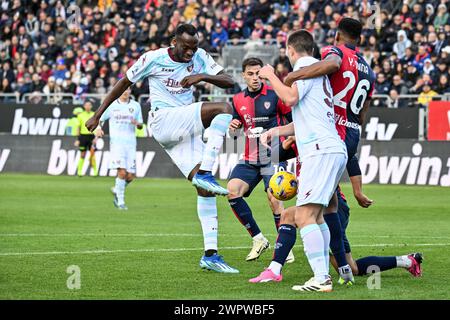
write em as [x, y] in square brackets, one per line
[277, 218]
[384, 263]
[244, 214]
[209, 253]
[287, 234]
[336, 238]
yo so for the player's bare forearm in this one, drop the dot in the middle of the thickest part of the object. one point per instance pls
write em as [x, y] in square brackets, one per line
[362, 199]
[356, 184]
[222, 80]
[328, 66]
[289, 95]
[285, 131]
[363, 112]
[115, 93]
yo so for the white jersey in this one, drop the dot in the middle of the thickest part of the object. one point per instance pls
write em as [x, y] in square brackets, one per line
[121, 129]
[164, 76]
[313, 116]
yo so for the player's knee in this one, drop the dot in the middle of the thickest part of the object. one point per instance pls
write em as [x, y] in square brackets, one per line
[235, 189]
[302, 220]
[234, 193]
[287, 217]
[227, 108]
[224, 107]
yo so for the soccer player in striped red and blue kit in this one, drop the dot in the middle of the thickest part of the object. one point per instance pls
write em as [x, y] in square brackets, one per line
[256, 109]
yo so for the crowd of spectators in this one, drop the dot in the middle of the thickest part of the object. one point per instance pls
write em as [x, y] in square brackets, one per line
[84, 46]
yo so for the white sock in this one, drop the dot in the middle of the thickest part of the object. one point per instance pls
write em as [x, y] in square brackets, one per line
[207, 213]
[403, 262]
[259, 236]
[217, 131]
[313, 245]
[120, 190]
[326, 242]
[275, 267]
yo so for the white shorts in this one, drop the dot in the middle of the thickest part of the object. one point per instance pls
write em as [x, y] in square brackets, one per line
[179, 131]
[319, 177]
[122, 156]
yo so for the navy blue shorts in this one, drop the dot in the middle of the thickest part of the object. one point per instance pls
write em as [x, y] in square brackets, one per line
[253, 174]
[344, 216]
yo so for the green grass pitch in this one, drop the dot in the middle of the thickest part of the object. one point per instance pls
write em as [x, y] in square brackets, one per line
[152, 251]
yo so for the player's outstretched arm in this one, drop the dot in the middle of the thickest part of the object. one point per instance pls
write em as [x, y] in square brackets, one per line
[289, 95]
[115, 93]
[283, 131]
[329, 65]
[222, 80]
[354, 172]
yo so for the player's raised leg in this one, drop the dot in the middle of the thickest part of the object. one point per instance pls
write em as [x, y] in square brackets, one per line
[207, 213]
[237, 188]
[216, 117]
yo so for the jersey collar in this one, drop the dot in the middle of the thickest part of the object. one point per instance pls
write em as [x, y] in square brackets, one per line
[354, 48]
[263, 90]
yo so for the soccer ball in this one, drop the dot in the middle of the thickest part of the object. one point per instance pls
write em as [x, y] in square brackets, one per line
[283, 185]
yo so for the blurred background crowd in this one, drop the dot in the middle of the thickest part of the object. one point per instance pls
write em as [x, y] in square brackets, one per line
[81, 47]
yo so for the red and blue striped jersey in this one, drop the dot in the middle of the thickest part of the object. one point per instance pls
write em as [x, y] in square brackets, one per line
[258, 114]
[352, 84]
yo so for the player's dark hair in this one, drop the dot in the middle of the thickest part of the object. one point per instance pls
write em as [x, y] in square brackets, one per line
[253, 61]
[186, 28]
[301, 41]
[350, 27]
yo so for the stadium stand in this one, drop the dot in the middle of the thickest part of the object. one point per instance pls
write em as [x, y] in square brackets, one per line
[56, 51]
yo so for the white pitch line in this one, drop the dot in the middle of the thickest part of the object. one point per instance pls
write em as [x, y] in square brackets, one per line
[5, 254]
[185, 235]
[101, 235]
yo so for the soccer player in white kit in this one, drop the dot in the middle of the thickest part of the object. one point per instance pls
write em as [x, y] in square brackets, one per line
[323, 157]
[177, 123]
[124, 116]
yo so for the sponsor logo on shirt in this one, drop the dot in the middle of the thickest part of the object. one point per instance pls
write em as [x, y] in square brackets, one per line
[167, 70]
[255, 132]
[344, 122]
[171, 83]
[260, 119]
